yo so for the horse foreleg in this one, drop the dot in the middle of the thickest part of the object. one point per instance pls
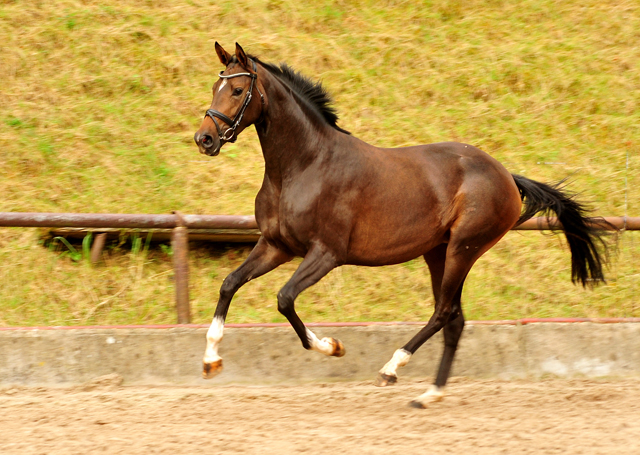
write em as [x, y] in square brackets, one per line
[316, 264]
[262, 259]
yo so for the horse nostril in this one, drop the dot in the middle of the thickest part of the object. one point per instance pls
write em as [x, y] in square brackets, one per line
[207, 140]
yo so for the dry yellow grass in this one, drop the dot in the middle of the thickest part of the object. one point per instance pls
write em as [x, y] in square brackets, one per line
[99, 102]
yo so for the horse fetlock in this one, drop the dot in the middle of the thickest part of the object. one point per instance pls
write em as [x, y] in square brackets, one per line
[388, 373]
[433, 395]
[336, 347]
[328, 346]
[212, 363]
[211, 369]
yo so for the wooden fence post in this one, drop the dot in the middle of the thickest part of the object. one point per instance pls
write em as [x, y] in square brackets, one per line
[180, 247]
[97, 247]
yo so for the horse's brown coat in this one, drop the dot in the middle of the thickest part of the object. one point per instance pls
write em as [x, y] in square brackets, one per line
[333, 199]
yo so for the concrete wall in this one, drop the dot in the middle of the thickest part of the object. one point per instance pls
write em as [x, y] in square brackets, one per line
[275, 355]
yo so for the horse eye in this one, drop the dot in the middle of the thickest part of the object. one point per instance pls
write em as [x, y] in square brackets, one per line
[237, 91]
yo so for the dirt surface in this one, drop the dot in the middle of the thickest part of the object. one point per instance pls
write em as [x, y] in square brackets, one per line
[477, 417]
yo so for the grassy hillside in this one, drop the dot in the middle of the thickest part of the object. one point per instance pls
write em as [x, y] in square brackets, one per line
[99, 102]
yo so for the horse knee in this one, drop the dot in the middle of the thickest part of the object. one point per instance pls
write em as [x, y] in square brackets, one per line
[285, 302]
[229, 286]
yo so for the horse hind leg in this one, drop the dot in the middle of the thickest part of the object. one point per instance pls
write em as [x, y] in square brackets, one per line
[452, 332]
[435, 259]
[388, 373]
[461, 254]
[449, 268]
[447, 316]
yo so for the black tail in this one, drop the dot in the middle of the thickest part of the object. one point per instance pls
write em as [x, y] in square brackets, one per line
[584, 234]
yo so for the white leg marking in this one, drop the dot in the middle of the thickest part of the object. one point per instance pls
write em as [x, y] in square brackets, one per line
[214, 335]
[222, 84]
[433, 395]
[400, 358]
[325, 345]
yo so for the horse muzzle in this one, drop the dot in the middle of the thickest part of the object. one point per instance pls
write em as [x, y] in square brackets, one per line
[207, 144]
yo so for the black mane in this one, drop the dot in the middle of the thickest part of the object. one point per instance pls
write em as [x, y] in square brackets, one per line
[317, 96]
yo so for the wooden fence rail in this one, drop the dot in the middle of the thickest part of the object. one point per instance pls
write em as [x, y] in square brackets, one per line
[181, 228]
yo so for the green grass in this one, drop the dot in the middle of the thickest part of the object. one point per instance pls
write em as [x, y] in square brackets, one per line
[99, 103]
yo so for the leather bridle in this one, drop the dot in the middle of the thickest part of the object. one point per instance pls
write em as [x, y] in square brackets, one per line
[229, 135]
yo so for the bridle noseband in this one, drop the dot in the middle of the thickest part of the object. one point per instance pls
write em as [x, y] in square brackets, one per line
[229, 135]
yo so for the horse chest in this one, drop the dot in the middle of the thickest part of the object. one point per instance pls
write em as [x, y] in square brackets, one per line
[286, 219]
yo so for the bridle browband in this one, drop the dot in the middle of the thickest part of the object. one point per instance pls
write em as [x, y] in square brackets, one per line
[229, 135]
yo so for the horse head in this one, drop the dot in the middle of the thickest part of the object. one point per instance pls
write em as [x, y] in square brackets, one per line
[237, 93]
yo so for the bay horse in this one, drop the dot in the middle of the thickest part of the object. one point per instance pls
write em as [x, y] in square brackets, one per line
[333, 199]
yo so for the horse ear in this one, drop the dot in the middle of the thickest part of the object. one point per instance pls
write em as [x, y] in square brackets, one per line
[242, 57]
[224, 56]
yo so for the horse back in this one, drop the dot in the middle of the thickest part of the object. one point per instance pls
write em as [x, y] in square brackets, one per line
[378, 206]
[410, 198]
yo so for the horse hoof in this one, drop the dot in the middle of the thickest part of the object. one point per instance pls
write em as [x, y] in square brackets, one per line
[338, 348]
[384, 380]
[433, 395]
[212, 369]
[422, 404]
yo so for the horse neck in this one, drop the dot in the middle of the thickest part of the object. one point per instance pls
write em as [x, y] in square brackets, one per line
[291, 134]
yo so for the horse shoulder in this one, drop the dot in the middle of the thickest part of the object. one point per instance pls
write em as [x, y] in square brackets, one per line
[267, 208]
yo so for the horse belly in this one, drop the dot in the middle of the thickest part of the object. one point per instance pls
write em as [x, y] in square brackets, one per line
[392, 243]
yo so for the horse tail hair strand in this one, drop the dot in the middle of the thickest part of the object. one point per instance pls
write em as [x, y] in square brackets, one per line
[584, 235]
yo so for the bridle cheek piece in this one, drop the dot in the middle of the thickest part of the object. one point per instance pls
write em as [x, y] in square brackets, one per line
[229, 135]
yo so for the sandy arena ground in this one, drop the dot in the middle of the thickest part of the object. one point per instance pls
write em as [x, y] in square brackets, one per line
[477, 417]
